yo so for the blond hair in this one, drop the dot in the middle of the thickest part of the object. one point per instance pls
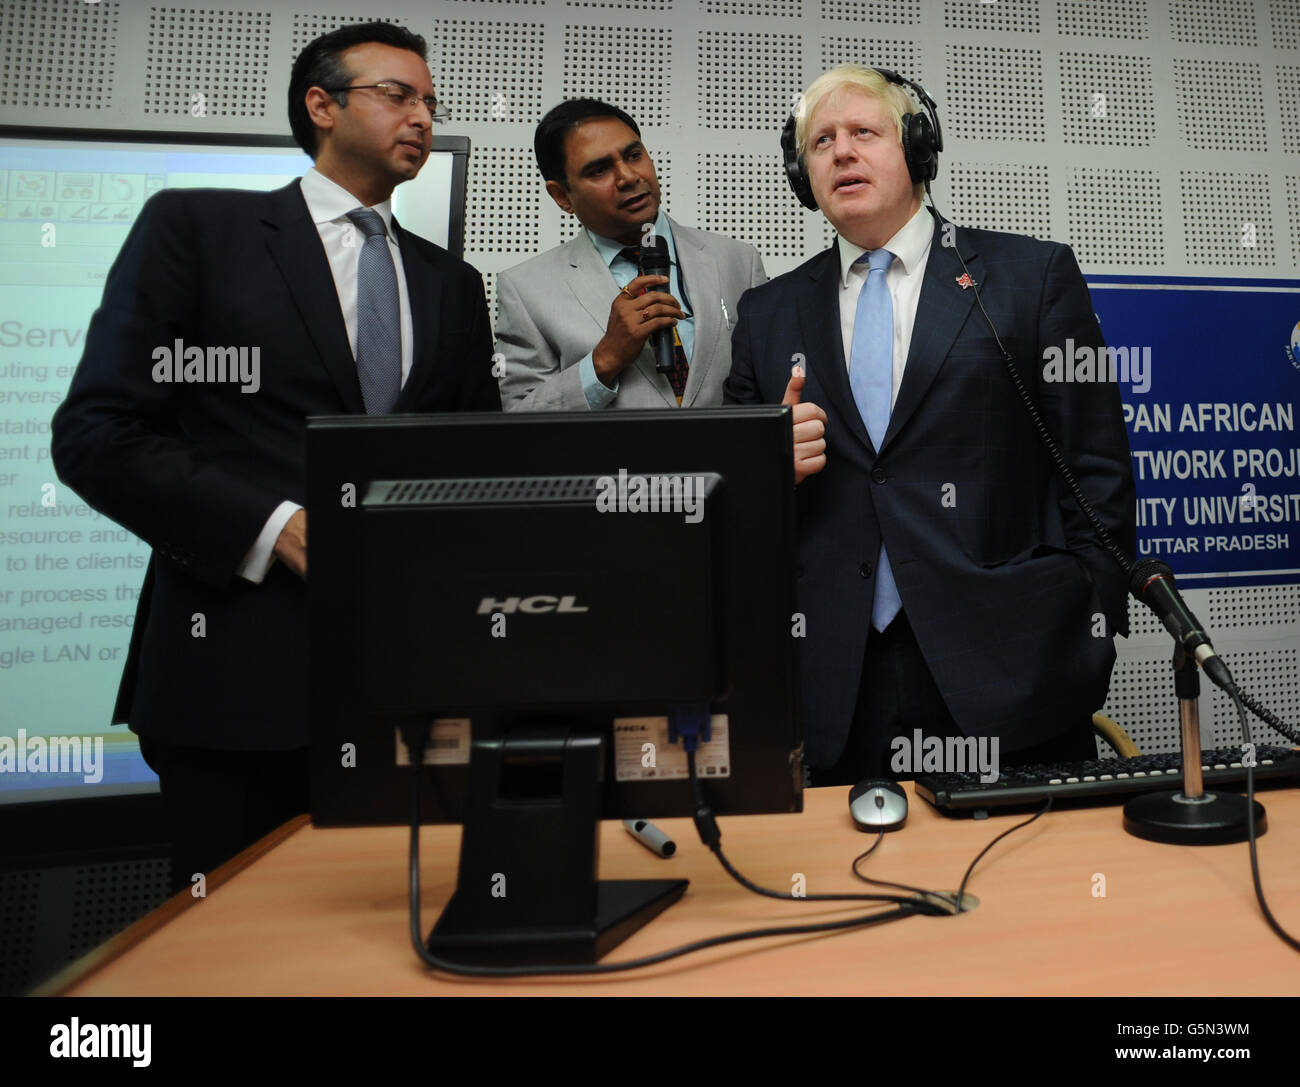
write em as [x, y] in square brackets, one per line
[896, 101]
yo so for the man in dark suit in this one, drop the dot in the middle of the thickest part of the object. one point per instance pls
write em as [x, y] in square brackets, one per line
[229, 318]
[948, 582]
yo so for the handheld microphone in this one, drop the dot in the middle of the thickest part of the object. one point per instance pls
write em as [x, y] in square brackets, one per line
[655, 262]
[1152, 582]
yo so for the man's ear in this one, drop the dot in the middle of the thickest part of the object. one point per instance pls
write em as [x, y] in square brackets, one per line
[319, 111]
[561, 196]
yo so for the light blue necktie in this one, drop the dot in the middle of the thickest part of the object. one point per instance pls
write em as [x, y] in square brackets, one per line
[871, 374]
[379, 323]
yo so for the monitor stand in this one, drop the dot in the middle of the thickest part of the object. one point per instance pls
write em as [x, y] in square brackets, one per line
[526, 891]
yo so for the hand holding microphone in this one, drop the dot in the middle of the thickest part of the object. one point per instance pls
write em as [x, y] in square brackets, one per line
[640, 310]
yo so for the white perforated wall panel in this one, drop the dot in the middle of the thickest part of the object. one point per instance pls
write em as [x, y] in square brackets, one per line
[1213, 22]
[1005, 16]
[497, 65]
[1114, 216]
[893, 54]
[1124, 19]
[1003, 196]
[202, 62]
[1284, 22]
[1227, 218]
[774, 67]
[1293, 215]
[899, 12]
[58, 56]
[609, 63]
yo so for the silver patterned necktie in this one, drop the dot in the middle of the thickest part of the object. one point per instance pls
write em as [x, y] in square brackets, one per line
[379, 327]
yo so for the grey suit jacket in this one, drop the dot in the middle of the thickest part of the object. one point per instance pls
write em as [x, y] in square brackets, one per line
[553, 310]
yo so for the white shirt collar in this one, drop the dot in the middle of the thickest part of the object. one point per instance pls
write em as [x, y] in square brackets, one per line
[909, 245]
[328, 201]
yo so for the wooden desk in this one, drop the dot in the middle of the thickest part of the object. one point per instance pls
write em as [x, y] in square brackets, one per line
[324, 912]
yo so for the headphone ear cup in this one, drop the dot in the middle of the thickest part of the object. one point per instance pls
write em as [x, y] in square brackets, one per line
[795, 172]
[918, 148]
[804, 189]
[909, 155]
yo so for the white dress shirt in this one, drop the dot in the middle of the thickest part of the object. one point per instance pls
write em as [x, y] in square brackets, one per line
[328, 204]
[911, 249]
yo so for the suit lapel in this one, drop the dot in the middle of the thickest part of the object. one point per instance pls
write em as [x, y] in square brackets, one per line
[819, 322]
[593, 285]
[940, 313]
[699, 272]
[590, 279]
[424, 293]
[295, 246]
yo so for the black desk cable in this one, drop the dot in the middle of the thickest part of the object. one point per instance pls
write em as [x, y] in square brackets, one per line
[961, 890]
[415, 739]
[706, 823]
[1285, 936]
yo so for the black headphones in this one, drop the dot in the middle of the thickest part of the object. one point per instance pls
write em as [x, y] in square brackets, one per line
[922, 142]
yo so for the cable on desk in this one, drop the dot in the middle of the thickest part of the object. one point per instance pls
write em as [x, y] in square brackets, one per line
[1238, 698]
[1241, 701]
[961, 891]
[706, 824]
[945, 895]
[880, 835]
[416, 736]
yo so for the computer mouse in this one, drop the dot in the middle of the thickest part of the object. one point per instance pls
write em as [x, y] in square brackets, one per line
[878, 804]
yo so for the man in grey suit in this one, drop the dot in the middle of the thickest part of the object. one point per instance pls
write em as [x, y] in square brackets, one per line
[575, 322]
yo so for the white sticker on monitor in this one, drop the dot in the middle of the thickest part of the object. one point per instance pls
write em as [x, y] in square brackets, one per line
[448, 743]
[642, 751]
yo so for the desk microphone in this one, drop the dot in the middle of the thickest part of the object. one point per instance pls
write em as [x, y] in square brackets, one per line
[1152, 582]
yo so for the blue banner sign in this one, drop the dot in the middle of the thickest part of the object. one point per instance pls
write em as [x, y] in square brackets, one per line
[1209, 370]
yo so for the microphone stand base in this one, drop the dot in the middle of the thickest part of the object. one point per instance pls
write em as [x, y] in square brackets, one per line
[1211, 819]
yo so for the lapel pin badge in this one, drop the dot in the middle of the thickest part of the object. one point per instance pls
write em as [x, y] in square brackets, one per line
[964, 280]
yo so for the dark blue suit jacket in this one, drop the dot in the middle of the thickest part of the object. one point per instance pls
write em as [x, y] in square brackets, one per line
[1005, 581]
[196, 469]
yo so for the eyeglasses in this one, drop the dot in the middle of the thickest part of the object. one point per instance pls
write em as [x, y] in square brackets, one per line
[401, 97]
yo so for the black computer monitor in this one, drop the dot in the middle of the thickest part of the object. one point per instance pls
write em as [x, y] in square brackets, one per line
[551, 589]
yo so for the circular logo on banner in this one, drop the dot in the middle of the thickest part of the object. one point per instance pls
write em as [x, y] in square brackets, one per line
[1293, 348]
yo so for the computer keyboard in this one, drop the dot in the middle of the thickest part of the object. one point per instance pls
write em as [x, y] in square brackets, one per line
[1099, 781]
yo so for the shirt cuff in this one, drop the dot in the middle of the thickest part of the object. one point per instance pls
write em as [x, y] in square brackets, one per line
[599, 395]
[260, 556]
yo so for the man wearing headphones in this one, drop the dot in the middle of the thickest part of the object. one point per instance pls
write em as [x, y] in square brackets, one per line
[949, 582]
